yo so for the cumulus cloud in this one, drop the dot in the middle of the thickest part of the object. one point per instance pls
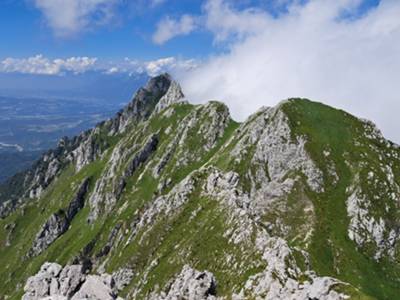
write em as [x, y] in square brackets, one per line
[43, 66]
[323, 50]
[157, 66]
[72, 16]
[169, 28]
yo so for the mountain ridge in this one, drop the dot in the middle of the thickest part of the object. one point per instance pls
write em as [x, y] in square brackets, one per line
[273, 208]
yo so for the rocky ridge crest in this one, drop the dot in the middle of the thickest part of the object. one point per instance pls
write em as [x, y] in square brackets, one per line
[273, 208]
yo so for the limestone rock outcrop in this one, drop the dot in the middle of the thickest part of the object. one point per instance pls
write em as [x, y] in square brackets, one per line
[190, 284]
[68, 283]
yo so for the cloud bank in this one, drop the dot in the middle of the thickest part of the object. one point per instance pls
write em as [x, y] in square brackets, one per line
[153, 67]
[41, 65]
[323, 50]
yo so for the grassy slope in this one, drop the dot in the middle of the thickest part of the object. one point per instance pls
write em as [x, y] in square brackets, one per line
[201, 237]
[58, 195]
[28, 222]
[332, 252]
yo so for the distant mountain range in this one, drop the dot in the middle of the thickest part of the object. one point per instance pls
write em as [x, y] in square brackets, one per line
[92, 85]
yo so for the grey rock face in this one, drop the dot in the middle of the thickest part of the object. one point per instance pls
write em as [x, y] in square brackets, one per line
[97, 288]
[149, 148]
[143, 103]
[373, 198]
[161, 91]
[268, 131]
[208, 122]
[103, 201]
[70, 279]
[88, 150]
[122, 277]
[190, 284]
[55, 282]
[173, 95]
[38, 286]
[164, 205]
[55, 226]
[79, 201]
[366, 228]
[59, 222]
[280, 280]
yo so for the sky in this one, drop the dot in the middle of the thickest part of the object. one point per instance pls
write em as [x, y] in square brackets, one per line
[246, 53]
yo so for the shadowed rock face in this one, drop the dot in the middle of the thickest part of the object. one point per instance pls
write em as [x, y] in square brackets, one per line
[144, 102]
[148, 149]
[59, 222]
[98, 202]
[79, 201]
[55, 226]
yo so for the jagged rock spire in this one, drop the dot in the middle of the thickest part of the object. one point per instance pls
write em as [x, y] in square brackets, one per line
[159, 92]
[173, 95]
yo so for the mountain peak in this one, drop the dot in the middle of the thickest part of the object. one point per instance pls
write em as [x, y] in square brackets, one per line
[173, 95]
[159, 92]
[159, 84]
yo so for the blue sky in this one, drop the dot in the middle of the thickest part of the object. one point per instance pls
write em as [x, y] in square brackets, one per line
[247, 53]
[25, 31]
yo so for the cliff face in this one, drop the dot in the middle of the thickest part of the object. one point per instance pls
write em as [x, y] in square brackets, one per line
[169, 200]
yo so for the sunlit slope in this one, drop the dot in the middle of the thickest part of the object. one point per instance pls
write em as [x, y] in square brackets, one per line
[299, 201]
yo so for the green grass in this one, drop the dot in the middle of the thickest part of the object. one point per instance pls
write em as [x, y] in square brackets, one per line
[331, 250]
[15, 266]
[187, 238]
[198, 239]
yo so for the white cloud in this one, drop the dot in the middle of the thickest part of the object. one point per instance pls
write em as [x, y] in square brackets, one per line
[157, 66]
[169, 28]
[169, 64]
[225, 22]
[43, 66]
[68, 17]
[112, 70]
[350, 63]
